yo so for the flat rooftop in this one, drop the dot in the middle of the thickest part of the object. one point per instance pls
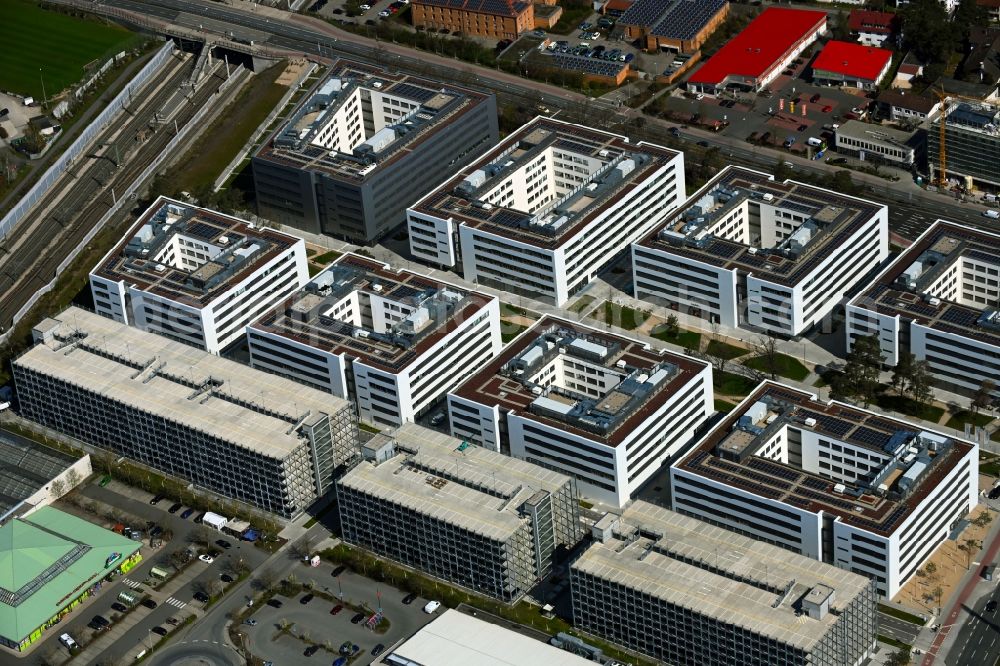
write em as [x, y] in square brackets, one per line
[486, 195]
[29, 467]
[903, 288]
[457, 639]
[727, 455]
[252, 409]
[979, 117]
[453, 481]
[758, 47]
[721, 574]
[49, 558]
[639, 379]
[190, 254]
[432, 310]
[831, 220]
[362, 118]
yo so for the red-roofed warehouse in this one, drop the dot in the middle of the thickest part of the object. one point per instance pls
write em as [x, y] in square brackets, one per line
[753, 58]
[851, 64]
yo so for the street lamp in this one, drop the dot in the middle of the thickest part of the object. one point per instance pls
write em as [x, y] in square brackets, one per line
[42, 79]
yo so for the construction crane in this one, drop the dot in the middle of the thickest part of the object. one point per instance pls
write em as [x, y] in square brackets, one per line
[943, 97]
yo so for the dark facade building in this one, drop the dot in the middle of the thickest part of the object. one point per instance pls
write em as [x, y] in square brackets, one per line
[363, 146]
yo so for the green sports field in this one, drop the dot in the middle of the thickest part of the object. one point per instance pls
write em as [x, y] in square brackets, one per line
[33, 39]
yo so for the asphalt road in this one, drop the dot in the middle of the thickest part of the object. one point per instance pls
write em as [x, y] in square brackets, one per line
[978, 641]
[901, 630]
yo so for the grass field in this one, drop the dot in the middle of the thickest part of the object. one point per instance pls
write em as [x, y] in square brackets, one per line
[43, 45]
[784, 366]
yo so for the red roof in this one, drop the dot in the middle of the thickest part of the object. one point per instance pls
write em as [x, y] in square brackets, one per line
[880, 23]
[617, 5]
[753, 52]
[853, 60]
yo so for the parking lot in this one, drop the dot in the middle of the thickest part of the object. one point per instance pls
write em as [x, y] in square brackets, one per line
[266, 640]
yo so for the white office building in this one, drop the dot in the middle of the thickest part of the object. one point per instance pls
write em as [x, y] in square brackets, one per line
[393, 342]
[859, 490]
[940, 301]
[541, 213]
[195, 275]
[606, 409]
[747, 251]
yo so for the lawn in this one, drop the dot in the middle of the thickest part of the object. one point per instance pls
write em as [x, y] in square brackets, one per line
[784, 366]
[327, 257]
[685, 339]
[959, 420]
[723, 406]
[908, 406]
[226, 137]
[989, 465]
[509, 330]
[508, 310]
[729, 383]
[574, 13]
[900, 614]
[623, 316]
[724, 350]
[582, 304]
[41, 45]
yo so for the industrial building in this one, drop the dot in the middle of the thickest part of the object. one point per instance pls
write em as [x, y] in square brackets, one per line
[851, 65]
[195, 275]
[606, 409]
[940, 301]
[236, 431]
[880, 144]
[393, 342]
[492, 19]
[455, 638]
[688, 593]
[972, 142]
[35, 475]
[867, 493]
[760, 52]
[544, 211]
[363, 145]
[457, 511]
[679, 26]
[746, 250]
[53, 562]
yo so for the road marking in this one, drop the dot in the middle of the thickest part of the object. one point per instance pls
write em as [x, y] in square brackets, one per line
[176, 602]
[131, 583]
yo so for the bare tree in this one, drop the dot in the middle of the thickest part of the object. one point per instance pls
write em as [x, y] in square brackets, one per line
[969, 547]
[303, 547]
[200, 535]
[983, 396]
[267, 580]
[765, 347]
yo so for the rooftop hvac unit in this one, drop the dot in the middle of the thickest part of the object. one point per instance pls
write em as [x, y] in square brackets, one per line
[620, 364]
[223, 240]
[811, 422]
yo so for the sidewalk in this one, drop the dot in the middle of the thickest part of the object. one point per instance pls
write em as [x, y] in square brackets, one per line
[941, 642]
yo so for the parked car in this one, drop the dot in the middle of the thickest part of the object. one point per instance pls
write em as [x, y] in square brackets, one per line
[157, 499]
[250, 622]
[991, 606]
[105, 480]
[68, 642]
[171, 620]
[378, 649]
[431, 606]
[160, 631]
[99, 623]
[385, 13]
[120, 607]
[336, 609]
[201, 596]
[306, 599]
[409, 599]
[339, 570]
[340, 661]
[187, 514]
[827, 109]
[148, 603]
[310, 651]
[803, 128]
[358, 617]
[208, 559]
[156, 531]
[814, 98]
[274, 603]
[175, 507]
[345, 647]
[226, 578]
[222, 543]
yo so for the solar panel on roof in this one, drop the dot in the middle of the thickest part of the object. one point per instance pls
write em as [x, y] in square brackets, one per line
[202, 230]
[411, 91]
[815, 483]
[873, 438]
[960, 316]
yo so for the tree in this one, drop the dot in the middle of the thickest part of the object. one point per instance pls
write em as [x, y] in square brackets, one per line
[200, 535]
[765, 348]
[903, 372]
[969, 14]
[861, 372]
[671, 327]
[983, 396]
[937, 593]
[178, 559]
[898, 658]
[920, 384]
[931, 570]
[302, 548]
[928, 31]
[983, 519]
[969, 547]
[840, 29]
[267, 580]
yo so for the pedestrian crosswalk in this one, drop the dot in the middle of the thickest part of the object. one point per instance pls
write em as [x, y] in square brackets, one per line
[134, 584]
[176, 602]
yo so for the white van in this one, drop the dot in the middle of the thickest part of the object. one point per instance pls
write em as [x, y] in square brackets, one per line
[432, 606]
[992, 214]
[68, 642]
[814, 142]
